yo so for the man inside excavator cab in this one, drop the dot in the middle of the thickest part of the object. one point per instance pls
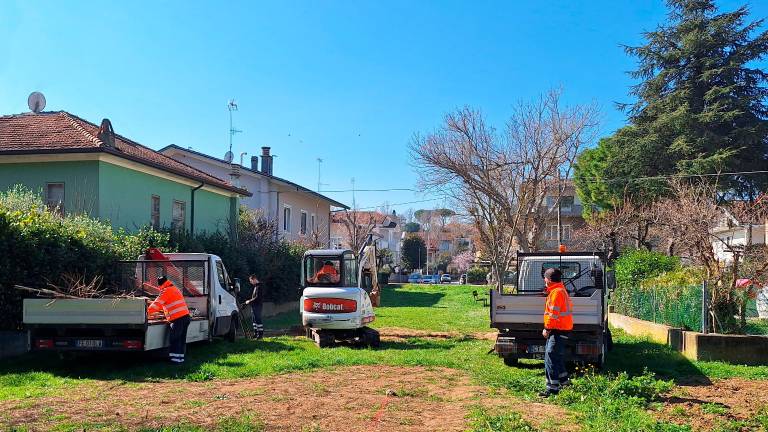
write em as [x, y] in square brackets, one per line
[327, 274]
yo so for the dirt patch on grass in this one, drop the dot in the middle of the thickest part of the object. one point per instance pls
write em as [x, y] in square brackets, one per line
[706, 406]
[395, 333]
[359, 398]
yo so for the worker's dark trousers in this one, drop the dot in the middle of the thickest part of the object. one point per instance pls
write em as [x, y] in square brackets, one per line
[554, 361]
[178, 344]
[258, 325]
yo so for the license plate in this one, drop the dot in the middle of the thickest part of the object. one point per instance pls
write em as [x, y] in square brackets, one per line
[535, 349]
[89, 343]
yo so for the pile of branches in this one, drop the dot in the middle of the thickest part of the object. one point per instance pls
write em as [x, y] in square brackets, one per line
[74, 286]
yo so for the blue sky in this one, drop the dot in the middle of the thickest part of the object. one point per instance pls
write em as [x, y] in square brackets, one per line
[346, 81]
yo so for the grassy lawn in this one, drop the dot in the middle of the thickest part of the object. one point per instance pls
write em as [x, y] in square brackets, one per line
[621, 398]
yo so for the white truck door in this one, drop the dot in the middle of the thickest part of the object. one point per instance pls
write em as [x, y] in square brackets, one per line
[224, 301]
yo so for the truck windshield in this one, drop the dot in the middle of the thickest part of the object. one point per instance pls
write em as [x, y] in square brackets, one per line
[322, 271]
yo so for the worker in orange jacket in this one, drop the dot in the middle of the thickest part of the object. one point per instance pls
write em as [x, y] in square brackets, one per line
[171, 302]
[327, 273]
[558, 323]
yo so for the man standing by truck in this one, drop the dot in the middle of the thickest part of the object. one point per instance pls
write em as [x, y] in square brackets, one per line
[171, 302]
[558, 323]
[257, 303]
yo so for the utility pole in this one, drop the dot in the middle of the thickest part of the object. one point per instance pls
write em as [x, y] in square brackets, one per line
[559, 212]
[354, 206]
[319, 162]
[232, 106]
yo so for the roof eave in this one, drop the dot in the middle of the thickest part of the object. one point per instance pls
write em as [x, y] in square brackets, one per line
[299, 187]
[124, 156]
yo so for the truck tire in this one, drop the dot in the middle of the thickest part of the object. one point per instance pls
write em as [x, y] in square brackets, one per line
[510, 361]
[232, 334]
[325, 339]
[371, 337]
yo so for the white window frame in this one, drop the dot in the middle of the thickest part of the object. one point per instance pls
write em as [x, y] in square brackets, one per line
[287, 221]
[303, 222]
[175, 224]
[57, 206]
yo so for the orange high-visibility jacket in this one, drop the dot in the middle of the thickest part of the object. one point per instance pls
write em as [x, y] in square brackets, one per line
[170, 301]
[329, 270]
[558, 311]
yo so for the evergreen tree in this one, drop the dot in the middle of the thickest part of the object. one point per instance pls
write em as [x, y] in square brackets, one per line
[700, 108]
[701, 102]
[413, 252]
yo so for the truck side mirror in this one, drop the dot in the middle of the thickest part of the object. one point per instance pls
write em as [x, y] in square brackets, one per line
[610, 280]
[237, 285]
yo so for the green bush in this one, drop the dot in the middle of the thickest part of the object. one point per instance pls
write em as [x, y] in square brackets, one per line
[633, 266]
[40, 248]
[672, 298]
[476, 275]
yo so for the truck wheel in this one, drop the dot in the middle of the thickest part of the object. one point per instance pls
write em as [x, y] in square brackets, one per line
[325, 339]
[371, 337]
[232, 334]
[510, 361]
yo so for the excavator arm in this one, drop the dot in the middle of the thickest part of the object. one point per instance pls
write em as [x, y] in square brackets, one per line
[369, 272]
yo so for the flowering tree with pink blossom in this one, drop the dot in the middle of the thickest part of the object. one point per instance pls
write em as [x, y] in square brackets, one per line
[463, 261]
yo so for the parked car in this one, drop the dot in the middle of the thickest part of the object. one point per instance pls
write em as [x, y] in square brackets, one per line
[414, 278]
[427, 279]
[445, 278]
[463, 279]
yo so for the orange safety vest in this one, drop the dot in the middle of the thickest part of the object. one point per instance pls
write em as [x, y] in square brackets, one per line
[170, 301]
[558, 311]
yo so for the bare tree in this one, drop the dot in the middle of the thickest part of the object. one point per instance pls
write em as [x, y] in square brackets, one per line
[628, 223]
[357, 225]
[502, 181]
[690, 215]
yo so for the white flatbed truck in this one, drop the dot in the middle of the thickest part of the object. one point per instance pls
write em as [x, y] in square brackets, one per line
[122, 324]
[519, 315]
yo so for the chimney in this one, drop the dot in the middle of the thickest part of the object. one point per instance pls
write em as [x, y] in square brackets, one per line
[266, 161]
[255, 163]
[106, 134]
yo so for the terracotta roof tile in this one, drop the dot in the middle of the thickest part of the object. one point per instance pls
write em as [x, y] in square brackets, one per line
[52, 132]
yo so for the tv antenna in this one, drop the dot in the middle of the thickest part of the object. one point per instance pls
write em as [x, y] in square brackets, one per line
[232, 106]
[319, 184]
[36, 102]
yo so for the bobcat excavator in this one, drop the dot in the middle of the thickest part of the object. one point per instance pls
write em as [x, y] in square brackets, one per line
[339, 293]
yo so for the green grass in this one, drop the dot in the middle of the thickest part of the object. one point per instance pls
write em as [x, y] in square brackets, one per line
[621, 398]
[244, 423]
[432, 307]
[420, 307]
[484, 421]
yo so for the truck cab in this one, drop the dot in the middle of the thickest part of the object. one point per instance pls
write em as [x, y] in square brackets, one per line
[122, 323]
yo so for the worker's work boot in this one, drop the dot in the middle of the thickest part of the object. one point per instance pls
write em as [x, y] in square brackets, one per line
[547, 393]
[259, 334]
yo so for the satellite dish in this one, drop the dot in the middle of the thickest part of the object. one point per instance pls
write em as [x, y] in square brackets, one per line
[36, 102]
[228, 156]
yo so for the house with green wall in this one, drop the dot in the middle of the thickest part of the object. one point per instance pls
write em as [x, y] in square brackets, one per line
[80, 167]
